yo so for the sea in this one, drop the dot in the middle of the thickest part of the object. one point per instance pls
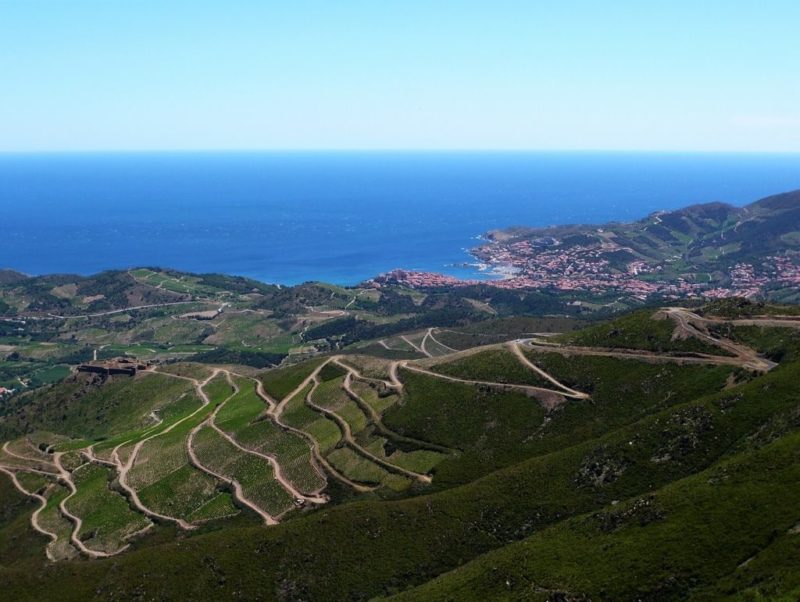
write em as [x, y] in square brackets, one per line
[339, 217]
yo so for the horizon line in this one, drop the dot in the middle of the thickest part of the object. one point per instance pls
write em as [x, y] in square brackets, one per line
[399, 150]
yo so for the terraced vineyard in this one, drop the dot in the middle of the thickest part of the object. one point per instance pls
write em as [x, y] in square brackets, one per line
[217, 444]
[493, 451]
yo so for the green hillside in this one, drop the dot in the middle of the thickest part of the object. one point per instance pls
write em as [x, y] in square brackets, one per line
[584, 466]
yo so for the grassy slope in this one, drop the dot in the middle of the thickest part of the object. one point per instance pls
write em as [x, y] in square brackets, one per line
[107, 517]
[496, 365]
[279, 383]
[588, 455]
[639, 330]
[495, 429]
[20, 547]
[409, 541]
[659, 546]
[777, 344]
[71, 409]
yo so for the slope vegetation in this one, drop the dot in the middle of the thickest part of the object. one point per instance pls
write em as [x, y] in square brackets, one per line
[528, 468]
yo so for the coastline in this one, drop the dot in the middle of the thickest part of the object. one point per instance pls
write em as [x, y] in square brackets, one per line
[341, 218]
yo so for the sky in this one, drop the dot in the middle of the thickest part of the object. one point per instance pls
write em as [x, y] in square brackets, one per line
[678, 75]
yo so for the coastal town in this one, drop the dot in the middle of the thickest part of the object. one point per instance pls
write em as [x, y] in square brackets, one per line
[597, 269]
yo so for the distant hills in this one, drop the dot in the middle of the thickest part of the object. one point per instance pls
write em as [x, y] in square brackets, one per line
[708, 250]
[710, 235]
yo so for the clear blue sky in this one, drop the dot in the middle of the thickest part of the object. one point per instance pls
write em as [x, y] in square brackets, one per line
[409, 74]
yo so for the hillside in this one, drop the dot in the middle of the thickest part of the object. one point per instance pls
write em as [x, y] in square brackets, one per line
[560, 275]
[709, 250]
[49, 323]
[487, 461]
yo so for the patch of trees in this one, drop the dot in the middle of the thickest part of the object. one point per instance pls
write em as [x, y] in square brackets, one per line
[292, 300]
[509, 302]
[223, 355]
[236, 284]
[6, 309]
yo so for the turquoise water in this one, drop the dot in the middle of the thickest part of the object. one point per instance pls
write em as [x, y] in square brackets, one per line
[337, 217]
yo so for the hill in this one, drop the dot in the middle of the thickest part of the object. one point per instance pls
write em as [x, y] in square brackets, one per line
[712, 250]
[48, 323]
[523, 467]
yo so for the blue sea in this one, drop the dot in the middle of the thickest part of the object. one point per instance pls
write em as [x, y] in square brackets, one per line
[339, 217]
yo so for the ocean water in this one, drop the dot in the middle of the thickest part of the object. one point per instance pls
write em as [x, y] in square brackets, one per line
[336, 217]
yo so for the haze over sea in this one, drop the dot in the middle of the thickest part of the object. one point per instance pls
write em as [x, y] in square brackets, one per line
[338, 217]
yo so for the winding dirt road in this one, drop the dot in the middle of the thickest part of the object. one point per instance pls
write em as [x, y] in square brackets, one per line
[37, 463]
[438, 342]
[278, 409]
[237, 488]
[691, 324]
[66, 477]
[124, 468]
[375, 417]
[339, 361]
[639, 355]
[532, 389]
[564, 389]
[273, 462]
[347, 434]
[35, 516]
[414, 346]
[105, 313]
[321, 465]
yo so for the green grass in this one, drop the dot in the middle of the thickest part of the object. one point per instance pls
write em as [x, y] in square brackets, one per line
[331, 371]
[107, 518]
[370, 396]
[369, 366]
[84, 412]
[253, 474]
[52, 520]
[48, 375]
[218, 389]
[182, 284]
[487, 425]
[499, 330]
[183, 407]
[639, 330]
[291, 451]
[493, 365]
[282, 381]
[777, 344]
[410, 541]
[187, 493]
[238, 418]
[661, 545]
[330, 396]
[219, 506]
[164, 478]
[241, 409]
[622, 391]
[495, 429]
[21, 548]
[353, 416]
[15, 462]
[190, 370]
[421, 461]
[358, 468]
[298, 415]
[33, 482]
